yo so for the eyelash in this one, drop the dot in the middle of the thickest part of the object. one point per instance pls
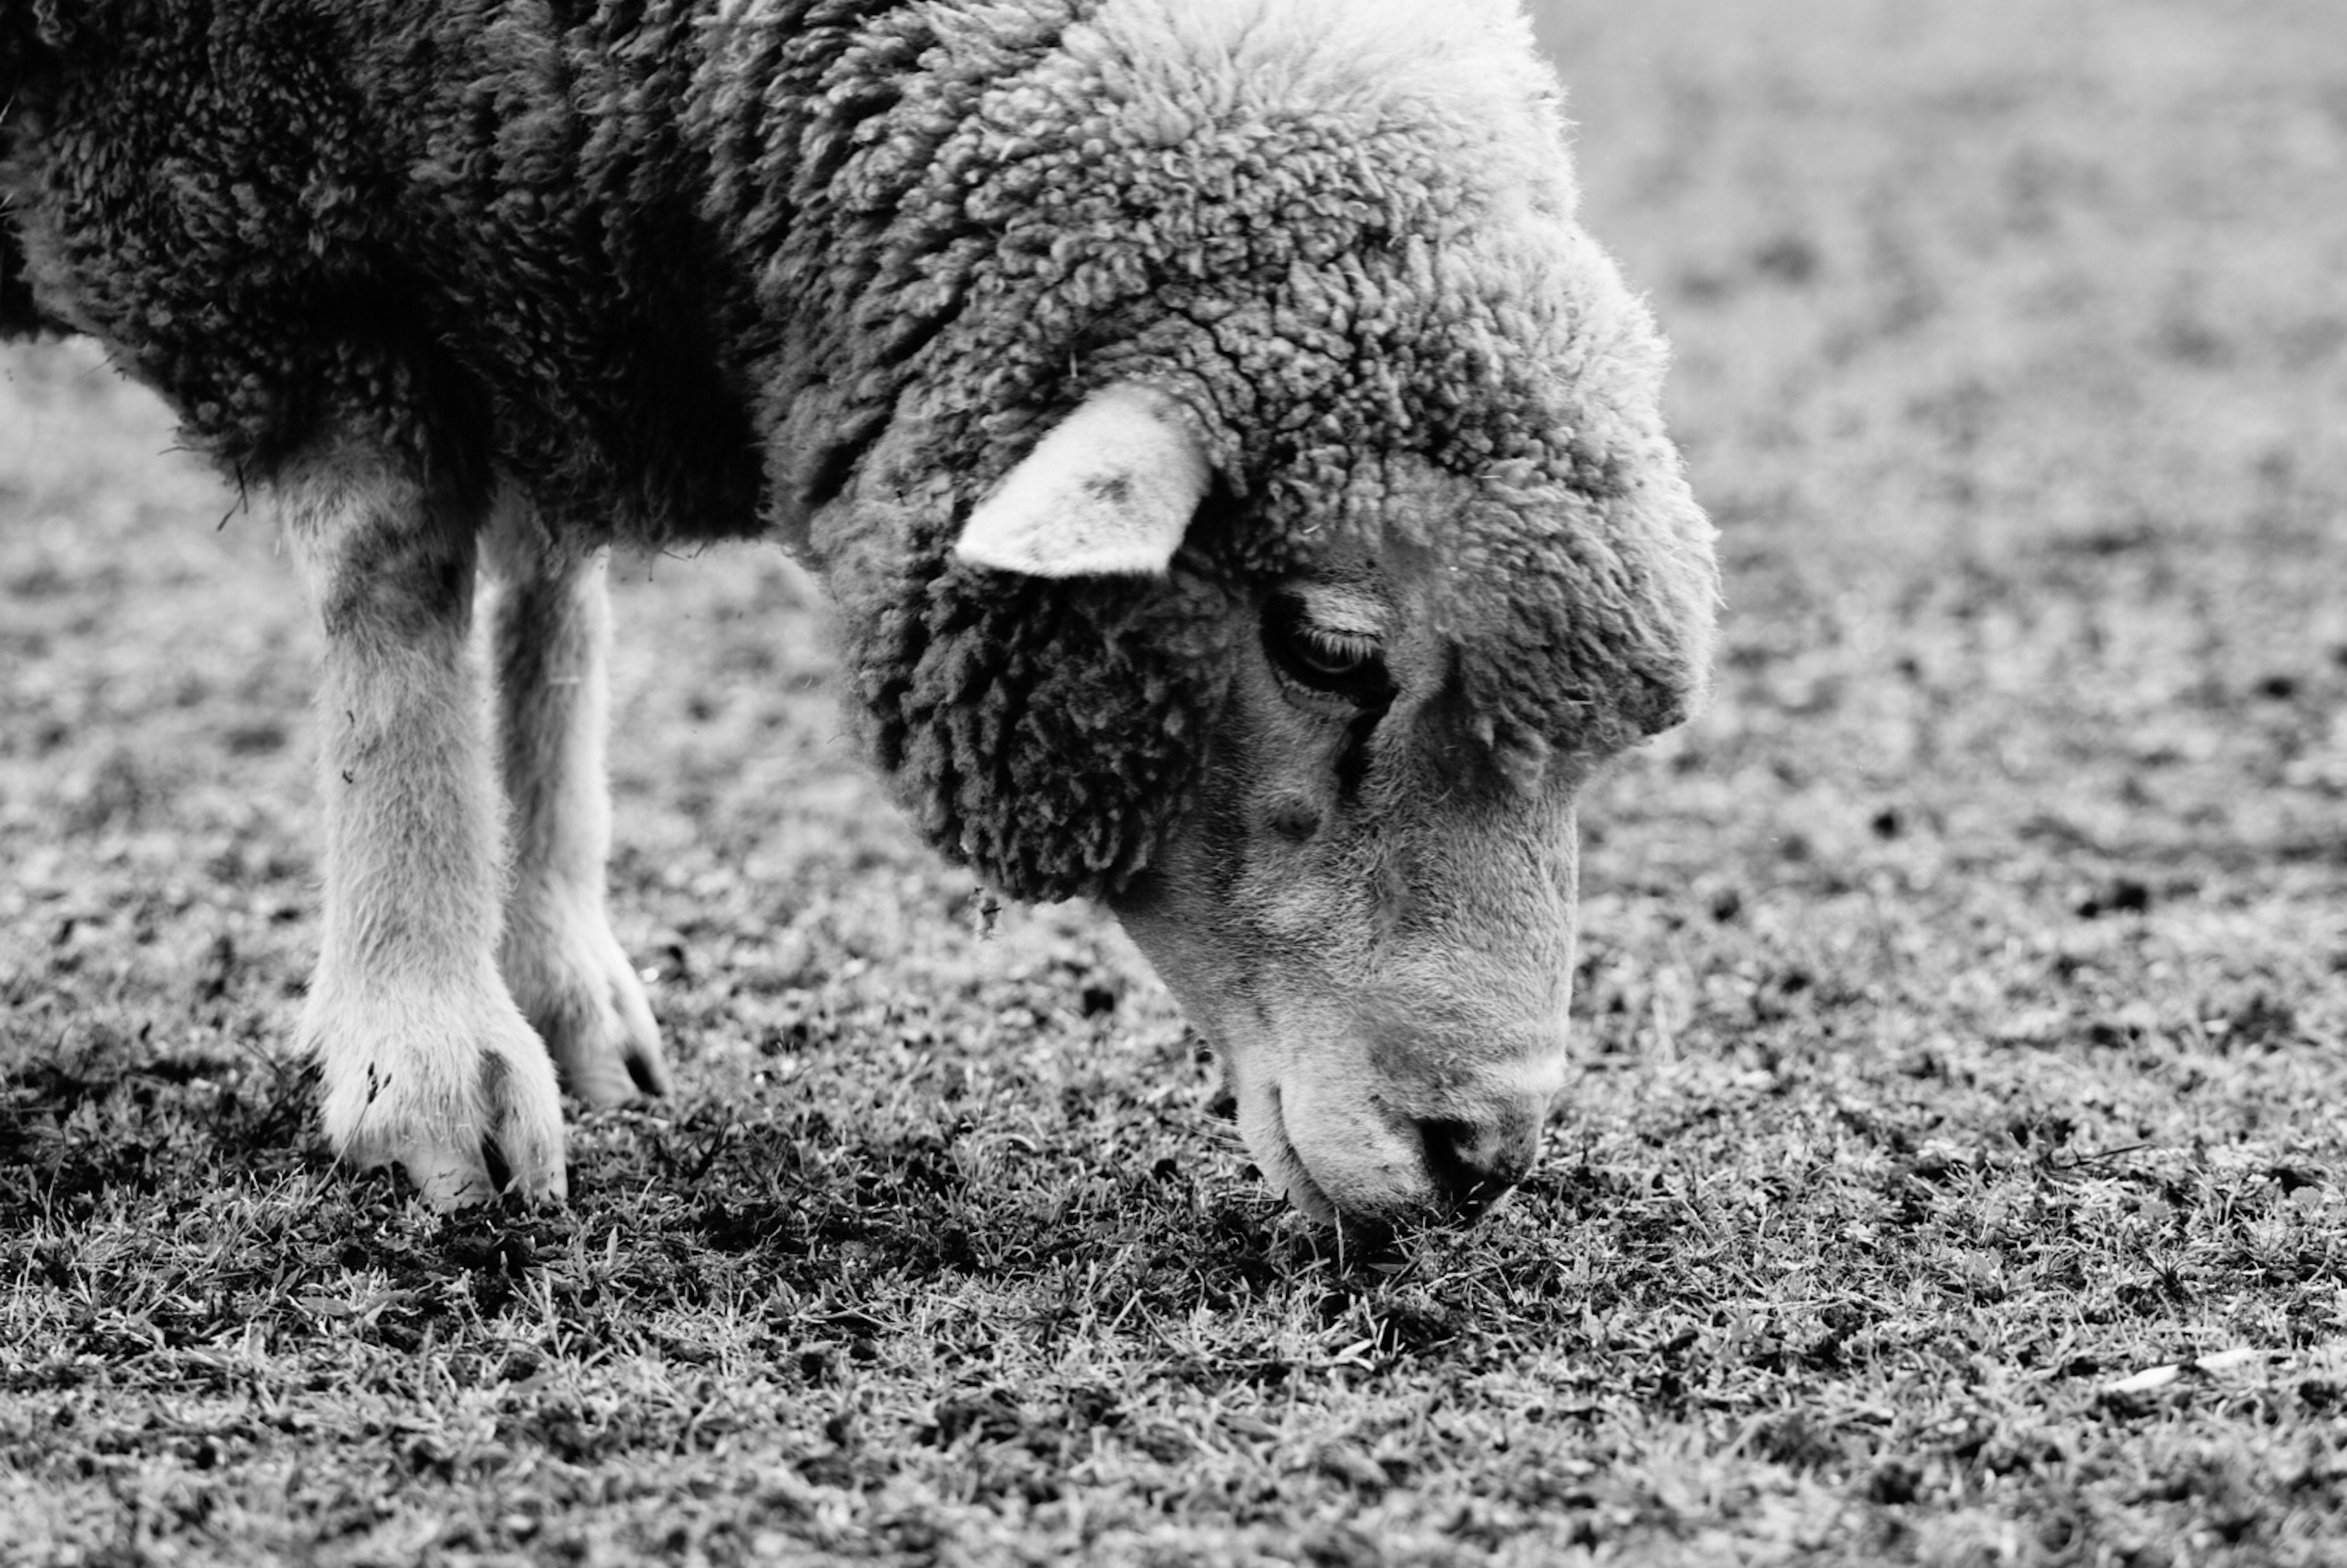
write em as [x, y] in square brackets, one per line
[1347, 664]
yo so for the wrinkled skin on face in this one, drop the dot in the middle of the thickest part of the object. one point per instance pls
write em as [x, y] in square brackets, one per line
[1372, 924]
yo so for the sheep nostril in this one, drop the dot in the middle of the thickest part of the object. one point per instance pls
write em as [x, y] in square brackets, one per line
[1470, 1165]
[1294, 817]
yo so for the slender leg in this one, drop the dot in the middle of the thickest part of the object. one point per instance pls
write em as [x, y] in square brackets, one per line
[550, 627]
[427, 1060]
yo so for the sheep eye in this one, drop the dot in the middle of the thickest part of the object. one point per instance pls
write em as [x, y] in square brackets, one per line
[1337, 661]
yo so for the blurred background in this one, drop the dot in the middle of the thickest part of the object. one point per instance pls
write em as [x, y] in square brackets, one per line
[2012, 361]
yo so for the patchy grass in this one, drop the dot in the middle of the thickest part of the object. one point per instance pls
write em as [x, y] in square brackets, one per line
[1962, 999]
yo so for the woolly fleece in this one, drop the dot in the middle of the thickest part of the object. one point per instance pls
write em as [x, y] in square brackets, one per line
[689, 269]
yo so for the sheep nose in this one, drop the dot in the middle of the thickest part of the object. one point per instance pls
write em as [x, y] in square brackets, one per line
[1471, 1163]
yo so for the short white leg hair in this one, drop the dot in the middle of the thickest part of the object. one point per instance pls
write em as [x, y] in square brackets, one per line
[425, 1059]
[550, 634]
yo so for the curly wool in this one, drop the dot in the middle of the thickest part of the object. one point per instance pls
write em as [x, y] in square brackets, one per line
[1340, 258]
[1041, 732]
[681, 270]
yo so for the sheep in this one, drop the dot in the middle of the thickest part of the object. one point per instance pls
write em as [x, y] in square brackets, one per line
[1240, 478]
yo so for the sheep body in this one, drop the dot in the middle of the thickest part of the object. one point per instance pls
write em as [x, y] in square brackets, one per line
[681, 270]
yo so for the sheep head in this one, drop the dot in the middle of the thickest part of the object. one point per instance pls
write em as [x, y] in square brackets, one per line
[1356, 864]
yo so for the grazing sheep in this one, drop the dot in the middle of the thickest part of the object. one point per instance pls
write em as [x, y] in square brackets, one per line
[1240, 477]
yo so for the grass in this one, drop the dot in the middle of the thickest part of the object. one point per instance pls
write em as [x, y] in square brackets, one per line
[1963, 1004]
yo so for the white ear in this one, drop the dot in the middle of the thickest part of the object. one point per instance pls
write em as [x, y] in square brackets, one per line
[1108, 492]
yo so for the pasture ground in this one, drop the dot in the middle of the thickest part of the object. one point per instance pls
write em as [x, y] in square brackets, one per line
[1962, 999]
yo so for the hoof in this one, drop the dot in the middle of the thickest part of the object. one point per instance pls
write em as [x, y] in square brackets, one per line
[578, 989]
[458, 1094]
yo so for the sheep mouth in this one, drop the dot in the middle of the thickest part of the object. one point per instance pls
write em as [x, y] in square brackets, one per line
[1362, 1233]
[1303, 1191]
[1283, 1164]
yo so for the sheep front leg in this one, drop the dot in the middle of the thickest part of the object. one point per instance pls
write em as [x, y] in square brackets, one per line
[550, 629]
[425, 1059]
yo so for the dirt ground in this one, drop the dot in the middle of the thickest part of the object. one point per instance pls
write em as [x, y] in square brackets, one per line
[1962, 999]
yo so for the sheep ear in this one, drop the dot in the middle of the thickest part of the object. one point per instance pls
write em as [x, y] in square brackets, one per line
[1108, 492]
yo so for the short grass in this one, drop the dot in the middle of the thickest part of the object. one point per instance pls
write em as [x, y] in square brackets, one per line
[1961, 1004]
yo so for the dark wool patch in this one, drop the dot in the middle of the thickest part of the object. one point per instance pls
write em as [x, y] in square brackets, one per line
[1040, 731]
[18, 315]
[18, 41]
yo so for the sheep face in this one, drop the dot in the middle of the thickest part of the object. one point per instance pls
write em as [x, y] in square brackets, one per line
[1372, 921]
